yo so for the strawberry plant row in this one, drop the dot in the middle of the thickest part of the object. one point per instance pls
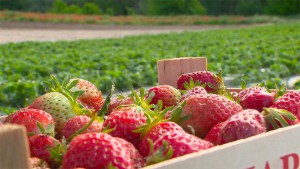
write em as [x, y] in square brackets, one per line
[266, 53]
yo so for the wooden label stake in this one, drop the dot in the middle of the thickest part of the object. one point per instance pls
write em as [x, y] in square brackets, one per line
[170, 69]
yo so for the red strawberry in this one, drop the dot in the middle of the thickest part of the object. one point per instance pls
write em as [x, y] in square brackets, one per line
[118, 101]
[124, 120]
[97, 150]
[29, 118]
[242, 125]
[195, 90]
[59, 106]
[1, 124]
[213, 135]
[77, 122]
[256, 97]
[207, 110]
[91, 97]
[290, 101]
[40, 146]
[155, 133]
[181, 143]
[138, 159]
[169, 95]
[204, 77]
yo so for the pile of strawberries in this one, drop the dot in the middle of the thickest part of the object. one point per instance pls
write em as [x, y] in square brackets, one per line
[73, 126]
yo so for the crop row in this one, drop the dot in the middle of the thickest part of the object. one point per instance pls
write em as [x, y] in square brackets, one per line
[136, 19]
[266, 53]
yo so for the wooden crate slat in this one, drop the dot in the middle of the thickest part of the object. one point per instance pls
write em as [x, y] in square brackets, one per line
[14, 148]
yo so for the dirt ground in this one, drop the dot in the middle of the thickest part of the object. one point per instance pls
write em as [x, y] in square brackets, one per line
[33, 31]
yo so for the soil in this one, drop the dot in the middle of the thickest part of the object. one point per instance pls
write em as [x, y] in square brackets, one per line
[11, 32]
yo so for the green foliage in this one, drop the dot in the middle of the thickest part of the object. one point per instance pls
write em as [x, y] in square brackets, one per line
[59, 6]
[90, 8]
[73, 9]
[249, 7]
[269, 53]
[283, 7]
[175, 7]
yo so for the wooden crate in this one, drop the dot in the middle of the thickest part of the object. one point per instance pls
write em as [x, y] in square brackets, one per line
[278, 149]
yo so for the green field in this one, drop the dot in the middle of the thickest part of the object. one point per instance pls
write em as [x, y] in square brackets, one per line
[269, 53]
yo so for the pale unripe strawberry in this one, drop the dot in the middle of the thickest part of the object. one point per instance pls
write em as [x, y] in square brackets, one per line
[59, 106]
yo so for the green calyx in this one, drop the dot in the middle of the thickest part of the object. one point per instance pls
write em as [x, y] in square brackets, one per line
[48, 131]
[157, 116]
[221, 88]
[57, 153]
[191, 85]
[277, 118]
[165, 152]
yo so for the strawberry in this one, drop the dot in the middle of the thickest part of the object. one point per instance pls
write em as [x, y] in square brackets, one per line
[29, 118]
[211, 81]
[118, 101]
[40, 147]
[91, 97]
[77, 122]
[1, 124]
[246, 123]
[124, 120]
[97, 150]
[213, 135]
[290, 101]
[175, 144]
[207, 110]
[155, 132]
[256, 97]
[195, 90]
[169, 95]
[138, 159]
[59, 106]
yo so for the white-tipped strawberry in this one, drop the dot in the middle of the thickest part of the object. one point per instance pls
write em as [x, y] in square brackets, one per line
[91, 97]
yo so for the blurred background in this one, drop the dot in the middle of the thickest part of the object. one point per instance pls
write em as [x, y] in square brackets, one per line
[155, 7]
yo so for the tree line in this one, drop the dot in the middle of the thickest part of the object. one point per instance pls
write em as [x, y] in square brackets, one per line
[156, 7]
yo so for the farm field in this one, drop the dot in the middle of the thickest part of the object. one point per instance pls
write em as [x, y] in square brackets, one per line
[269, 53]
